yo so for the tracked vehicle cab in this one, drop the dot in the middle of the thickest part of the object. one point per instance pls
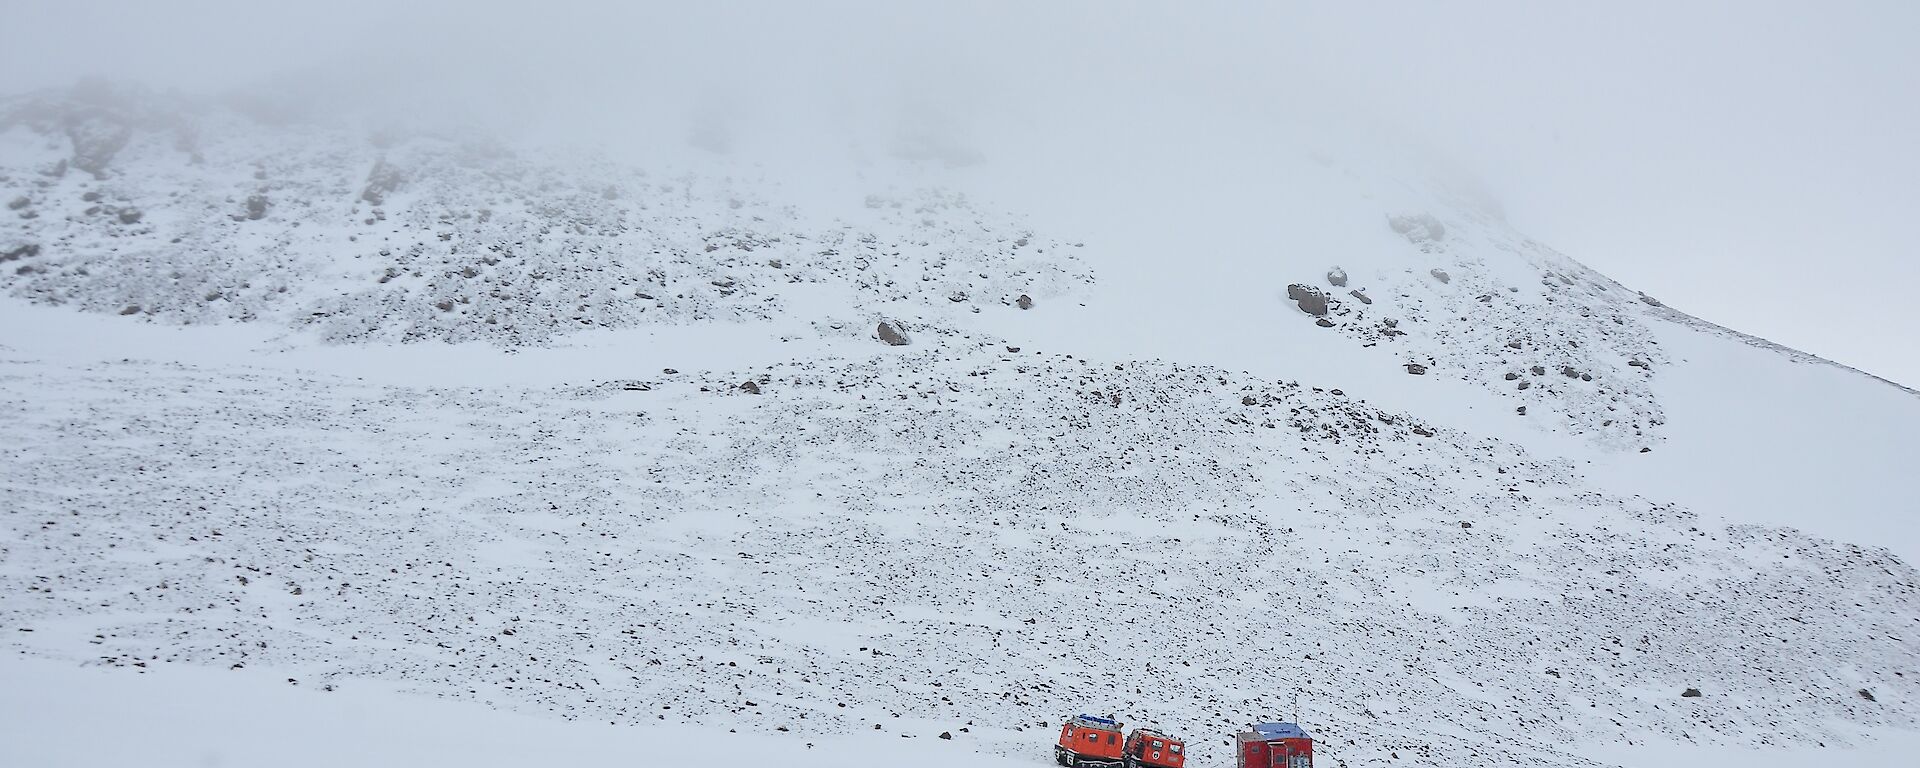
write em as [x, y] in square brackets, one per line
[1089, 742]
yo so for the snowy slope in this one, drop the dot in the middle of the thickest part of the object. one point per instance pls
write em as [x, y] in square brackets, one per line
[484, 433]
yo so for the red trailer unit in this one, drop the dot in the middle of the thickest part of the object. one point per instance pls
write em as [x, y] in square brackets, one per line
[1274, 745]
[1148, 748]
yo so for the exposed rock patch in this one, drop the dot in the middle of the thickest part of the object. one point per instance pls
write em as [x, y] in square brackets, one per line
[1312, 300]
[892, 334]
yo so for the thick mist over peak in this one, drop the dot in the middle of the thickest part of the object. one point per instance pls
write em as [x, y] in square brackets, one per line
[1725, 156]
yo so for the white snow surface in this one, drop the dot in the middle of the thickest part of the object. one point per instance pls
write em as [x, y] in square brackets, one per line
[478, 455]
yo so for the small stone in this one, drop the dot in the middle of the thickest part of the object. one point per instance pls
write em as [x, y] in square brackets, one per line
[946, 735]
[1337, 277]
[1416, 369]
[1539, 370]
[1024, 302]
[1866, 694]
[750, 387]
[1690, 693]
[130, 309]
[130, 216]
[1465, 524]
[1324, 323]
[1521, 411]
[1440, 275]
[1360, 295]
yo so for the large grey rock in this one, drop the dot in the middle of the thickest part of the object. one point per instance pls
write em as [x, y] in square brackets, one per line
[1311, 300]
[892, 334]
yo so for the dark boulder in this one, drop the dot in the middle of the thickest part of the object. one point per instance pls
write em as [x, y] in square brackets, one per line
[1311, 300]
[1024, 302]
[892, 335]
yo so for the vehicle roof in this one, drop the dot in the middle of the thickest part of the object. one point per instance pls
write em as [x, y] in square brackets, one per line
[1096, 722]
[1271, 731]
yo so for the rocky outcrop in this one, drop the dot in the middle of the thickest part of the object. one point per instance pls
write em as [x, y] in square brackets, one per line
[1312, 300]
[382, 181]
[96, 139]
[1418, 227]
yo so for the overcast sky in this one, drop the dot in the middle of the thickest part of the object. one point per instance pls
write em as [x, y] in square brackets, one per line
[1753, 163]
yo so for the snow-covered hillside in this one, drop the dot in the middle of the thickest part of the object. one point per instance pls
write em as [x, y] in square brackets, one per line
[585, 441]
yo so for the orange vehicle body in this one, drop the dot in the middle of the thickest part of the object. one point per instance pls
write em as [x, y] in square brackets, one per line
[1146, 748]
[1089, 742]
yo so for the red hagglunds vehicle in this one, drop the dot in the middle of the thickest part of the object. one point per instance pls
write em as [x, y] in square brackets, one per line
[1094, 742]
[1148, 748]
[1089, 742]
[1274, 745]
